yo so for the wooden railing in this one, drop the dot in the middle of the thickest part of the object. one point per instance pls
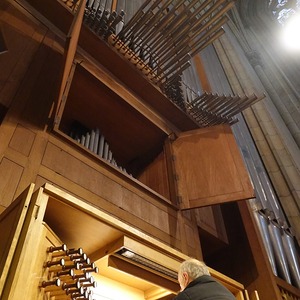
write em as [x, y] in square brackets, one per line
[287, 291]
[236, 288]
[252, 296]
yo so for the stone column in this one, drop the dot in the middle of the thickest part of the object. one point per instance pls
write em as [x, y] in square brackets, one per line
[269, 132]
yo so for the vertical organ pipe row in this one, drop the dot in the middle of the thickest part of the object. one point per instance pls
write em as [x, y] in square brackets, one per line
[262, 222]
[101, 19]
[278, 240]
[280, 246]
[292, 256]
[165, 39]
[96, 142]
[280, 255]
[160, 40]
[266, 199]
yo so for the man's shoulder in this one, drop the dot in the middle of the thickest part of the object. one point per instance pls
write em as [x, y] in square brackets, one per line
[206, 287]
[182, 296]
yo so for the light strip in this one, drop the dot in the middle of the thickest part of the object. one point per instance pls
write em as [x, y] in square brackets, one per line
[129, 254]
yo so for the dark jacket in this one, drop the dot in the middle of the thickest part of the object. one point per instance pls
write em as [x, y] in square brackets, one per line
[205, 287]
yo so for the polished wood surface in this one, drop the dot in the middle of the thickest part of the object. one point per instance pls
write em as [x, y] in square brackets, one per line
[11, 223]
[31, 152]
[155, 175]
[209, 168]
[36, 237]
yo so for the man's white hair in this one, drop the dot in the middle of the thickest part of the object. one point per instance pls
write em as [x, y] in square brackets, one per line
[194, 268]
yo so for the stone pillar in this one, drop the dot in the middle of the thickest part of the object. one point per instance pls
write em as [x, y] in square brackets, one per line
[266, 126]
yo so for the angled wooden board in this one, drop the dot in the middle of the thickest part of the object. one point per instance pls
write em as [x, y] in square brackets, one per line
[11, 223]
[209, 168]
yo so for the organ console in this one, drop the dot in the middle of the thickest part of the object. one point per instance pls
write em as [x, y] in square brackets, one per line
[69, 274]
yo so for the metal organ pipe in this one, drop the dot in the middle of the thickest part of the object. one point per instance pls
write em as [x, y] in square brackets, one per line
[280, 255]
[262, 222]
[292, 256]
[160, 39]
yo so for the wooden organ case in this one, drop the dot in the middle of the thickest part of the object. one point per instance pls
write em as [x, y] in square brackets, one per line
[148, 143]
[32, 247]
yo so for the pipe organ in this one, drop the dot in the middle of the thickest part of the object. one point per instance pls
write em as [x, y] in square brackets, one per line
[153, 40]
[160, 40]
[211, 109]
[280, 246]
[96, 142]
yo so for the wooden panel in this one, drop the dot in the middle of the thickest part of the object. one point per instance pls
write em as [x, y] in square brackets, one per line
[210, 219]
[82, 174]
[22, 37]
[190, 235]
[11, 222]
[210, 168]
[10, 174]
[154, 215]
[155, 176]
[22, 140]
[38, 89]
[89, 231]
[109, 189]
[128, 216]
[137, 271]
[32, 271]
[71, 48]
[25, 273]
[132, 203]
